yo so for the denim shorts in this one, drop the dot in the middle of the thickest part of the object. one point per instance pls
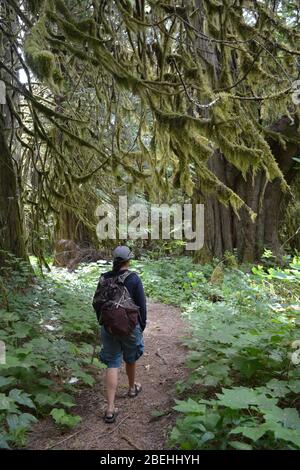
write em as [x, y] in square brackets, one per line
[131, 347]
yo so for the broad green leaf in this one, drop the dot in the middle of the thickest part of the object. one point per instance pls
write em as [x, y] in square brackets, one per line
[21, 330]
[247, 366]
[86, 378]
[281, 275]
[44, 399]
[294, 386]
[5, 402]
[240, 445]
[253, 433]
[175, 434]
[211, 380]
[207, 436]
[289, 417]
[212, 420]
[46, 382]
[22, 421]
[279, 388]
[189, 406]
[64, 419]
[280, 432]
[242, 397]
[57, 413]
[12, 422]
[65, 399]
[11, 361]
[3, 442]
[217, 369]
[26, 419]
[21, 397]
[4, 381]
[223, 337]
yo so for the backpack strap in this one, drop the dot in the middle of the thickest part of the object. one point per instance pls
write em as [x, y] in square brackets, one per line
[122, 277]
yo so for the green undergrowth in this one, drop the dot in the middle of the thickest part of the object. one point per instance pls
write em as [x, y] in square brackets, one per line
[49, 330]
[243, 384]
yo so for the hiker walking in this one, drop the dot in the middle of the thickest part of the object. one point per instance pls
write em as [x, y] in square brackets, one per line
[120, 305]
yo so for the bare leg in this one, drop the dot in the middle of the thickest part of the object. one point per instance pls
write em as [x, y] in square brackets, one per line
[130, 371]
[111, 387]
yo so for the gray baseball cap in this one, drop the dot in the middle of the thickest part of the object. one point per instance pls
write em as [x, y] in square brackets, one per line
[122, 252]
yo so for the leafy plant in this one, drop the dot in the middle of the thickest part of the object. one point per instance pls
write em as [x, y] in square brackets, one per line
[49, 329]
[64, 419]
[242, 387]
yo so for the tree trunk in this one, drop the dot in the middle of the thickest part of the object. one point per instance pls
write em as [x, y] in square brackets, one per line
[12, 235]
[69, 227]
[72, 239]
[224, 231]
[11, 227]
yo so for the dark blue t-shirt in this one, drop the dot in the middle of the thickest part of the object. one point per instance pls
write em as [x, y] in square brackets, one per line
[136, 291]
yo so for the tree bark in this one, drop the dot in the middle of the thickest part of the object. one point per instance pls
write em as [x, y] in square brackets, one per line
[224, 231]
[12, 234]
[69, 227]
[11, 228]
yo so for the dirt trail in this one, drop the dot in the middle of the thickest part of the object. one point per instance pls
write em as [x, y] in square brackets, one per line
[161, 366]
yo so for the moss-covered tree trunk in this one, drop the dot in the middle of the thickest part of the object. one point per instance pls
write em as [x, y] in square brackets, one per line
[72, 239]
[11, 228]
[223, 230]
[12, 236]
[69, 230]
[69, 227]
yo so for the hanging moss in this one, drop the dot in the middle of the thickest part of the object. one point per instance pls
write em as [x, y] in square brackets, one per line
[42, 62]
[34, 6]
[87, 25]
[62, 8]
[39, 58]
[166, 71]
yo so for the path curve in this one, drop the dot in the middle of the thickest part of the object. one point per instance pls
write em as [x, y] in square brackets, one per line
[161, 366]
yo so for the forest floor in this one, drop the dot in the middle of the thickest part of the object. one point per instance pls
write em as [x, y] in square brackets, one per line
[143, 422]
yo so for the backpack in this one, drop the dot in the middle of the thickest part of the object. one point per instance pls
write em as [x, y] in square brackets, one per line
[114, 307]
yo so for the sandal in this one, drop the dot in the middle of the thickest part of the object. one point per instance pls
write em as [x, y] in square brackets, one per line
[136, 391]
[111, 417]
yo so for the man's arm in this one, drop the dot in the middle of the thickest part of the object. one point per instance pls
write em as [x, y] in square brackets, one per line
[139, 299]
[95, 303]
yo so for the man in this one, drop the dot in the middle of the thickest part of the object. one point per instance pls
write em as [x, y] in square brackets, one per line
[131, 347]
